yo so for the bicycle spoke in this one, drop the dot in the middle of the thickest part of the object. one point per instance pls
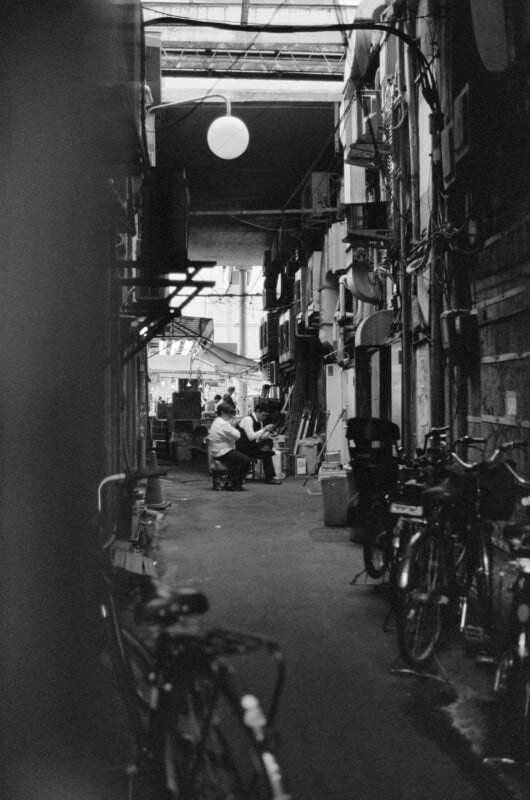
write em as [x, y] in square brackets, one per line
[211, 756]
[419, 613]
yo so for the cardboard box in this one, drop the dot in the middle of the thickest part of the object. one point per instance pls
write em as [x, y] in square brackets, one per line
[301, 465]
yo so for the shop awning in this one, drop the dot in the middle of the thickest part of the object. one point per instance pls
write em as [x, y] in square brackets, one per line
[225, 361]
[375, 329]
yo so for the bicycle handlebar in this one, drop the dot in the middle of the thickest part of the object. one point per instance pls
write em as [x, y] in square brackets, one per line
[437, 432]
[517, 444]
[474, 440]
[131, 477]
[520, 481]
[470, 441]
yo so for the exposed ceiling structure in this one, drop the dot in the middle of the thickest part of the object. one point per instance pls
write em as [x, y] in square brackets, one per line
[287, 102]
[212, 53]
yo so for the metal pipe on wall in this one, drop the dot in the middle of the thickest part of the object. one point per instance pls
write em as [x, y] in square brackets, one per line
[408, 415]
[437, 266]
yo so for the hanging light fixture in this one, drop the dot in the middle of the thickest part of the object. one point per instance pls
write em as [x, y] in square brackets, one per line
[227, 136]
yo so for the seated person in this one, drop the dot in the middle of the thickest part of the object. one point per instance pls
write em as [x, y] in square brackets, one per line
[222, 437]
[256, 443]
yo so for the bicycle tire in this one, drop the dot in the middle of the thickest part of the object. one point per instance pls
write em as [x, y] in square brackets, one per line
[477, 591]
[518, 711]
[210, 756]
[140, 664]
[418, 617]
[376, 546]
[483, 581]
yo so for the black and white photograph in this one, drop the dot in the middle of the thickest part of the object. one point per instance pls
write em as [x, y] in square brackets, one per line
[265, 402]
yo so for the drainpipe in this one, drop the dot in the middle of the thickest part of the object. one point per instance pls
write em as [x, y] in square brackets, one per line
[242, 312]
[406, 299]
[437, 387]
[412, 103]
[437, 382]
[142, 410]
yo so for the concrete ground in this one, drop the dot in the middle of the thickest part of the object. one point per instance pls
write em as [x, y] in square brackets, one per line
[351, 727]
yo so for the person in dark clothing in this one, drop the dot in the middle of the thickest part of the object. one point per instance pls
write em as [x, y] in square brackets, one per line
[256, 443]
[228, 398]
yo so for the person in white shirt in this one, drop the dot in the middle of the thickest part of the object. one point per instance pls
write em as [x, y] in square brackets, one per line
[222, 438]
[255, 441]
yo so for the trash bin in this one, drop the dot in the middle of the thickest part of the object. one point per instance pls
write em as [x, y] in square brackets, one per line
[336, 493]
[309, 449]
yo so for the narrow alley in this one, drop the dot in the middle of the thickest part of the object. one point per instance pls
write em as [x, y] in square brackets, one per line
[309, 220]
[350, 727]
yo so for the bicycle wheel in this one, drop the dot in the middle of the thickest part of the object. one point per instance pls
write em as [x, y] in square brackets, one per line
[418, 617]
[476, 607]
[376, 547]
[518, 711]
[209, 754]
[140, 666]
[483, 580]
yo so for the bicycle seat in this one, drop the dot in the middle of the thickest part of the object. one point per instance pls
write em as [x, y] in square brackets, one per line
[518, 537]
[183, 602]
[440, 495]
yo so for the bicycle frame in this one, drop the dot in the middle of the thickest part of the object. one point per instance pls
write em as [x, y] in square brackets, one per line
[181, 655]
[406, 506]
[512, 676]
[185, 656]
[109, 615]
[124, 675]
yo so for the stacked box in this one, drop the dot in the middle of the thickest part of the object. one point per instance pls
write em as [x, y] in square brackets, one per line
[182, 439]
[186, 405]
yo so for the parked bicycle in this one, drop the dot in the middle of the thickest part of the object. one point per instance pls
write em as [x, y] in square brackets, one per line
[199, 734]
[396, 517]
[512, 677]
[447, 565]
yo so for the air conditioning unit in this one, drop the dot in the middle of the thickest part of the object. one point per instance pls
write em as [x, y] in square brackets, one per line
[300, 290]
[268, 336]
[354, 184]
[303, 330]
[286, 337]
[316, 194]
[313, 267]
[447, 147]
[271, 272]
[337, 258]
[272, 372]
[461, 123]
[460, 334]
[363, 130]
[366, 224]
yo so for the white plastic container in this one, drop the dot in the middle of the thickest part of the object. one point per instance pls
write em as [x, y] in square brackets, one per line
[335, 496]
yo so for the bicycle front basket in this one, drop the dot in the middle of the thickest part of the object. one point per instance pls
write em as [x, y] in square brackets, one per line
[498, 492]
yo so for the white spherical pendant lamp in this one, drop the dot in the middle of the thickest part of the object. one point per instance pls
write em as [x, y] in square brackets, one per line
[228, 137]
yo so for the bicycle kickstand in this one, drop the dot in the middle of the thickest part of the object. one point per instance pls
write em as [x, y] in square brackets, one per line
[386, 622]
[356, 577]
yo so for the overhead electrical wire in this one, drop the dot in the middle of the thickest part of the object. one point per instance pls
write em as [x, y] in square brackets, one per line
[214, 86]
[428, 84]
